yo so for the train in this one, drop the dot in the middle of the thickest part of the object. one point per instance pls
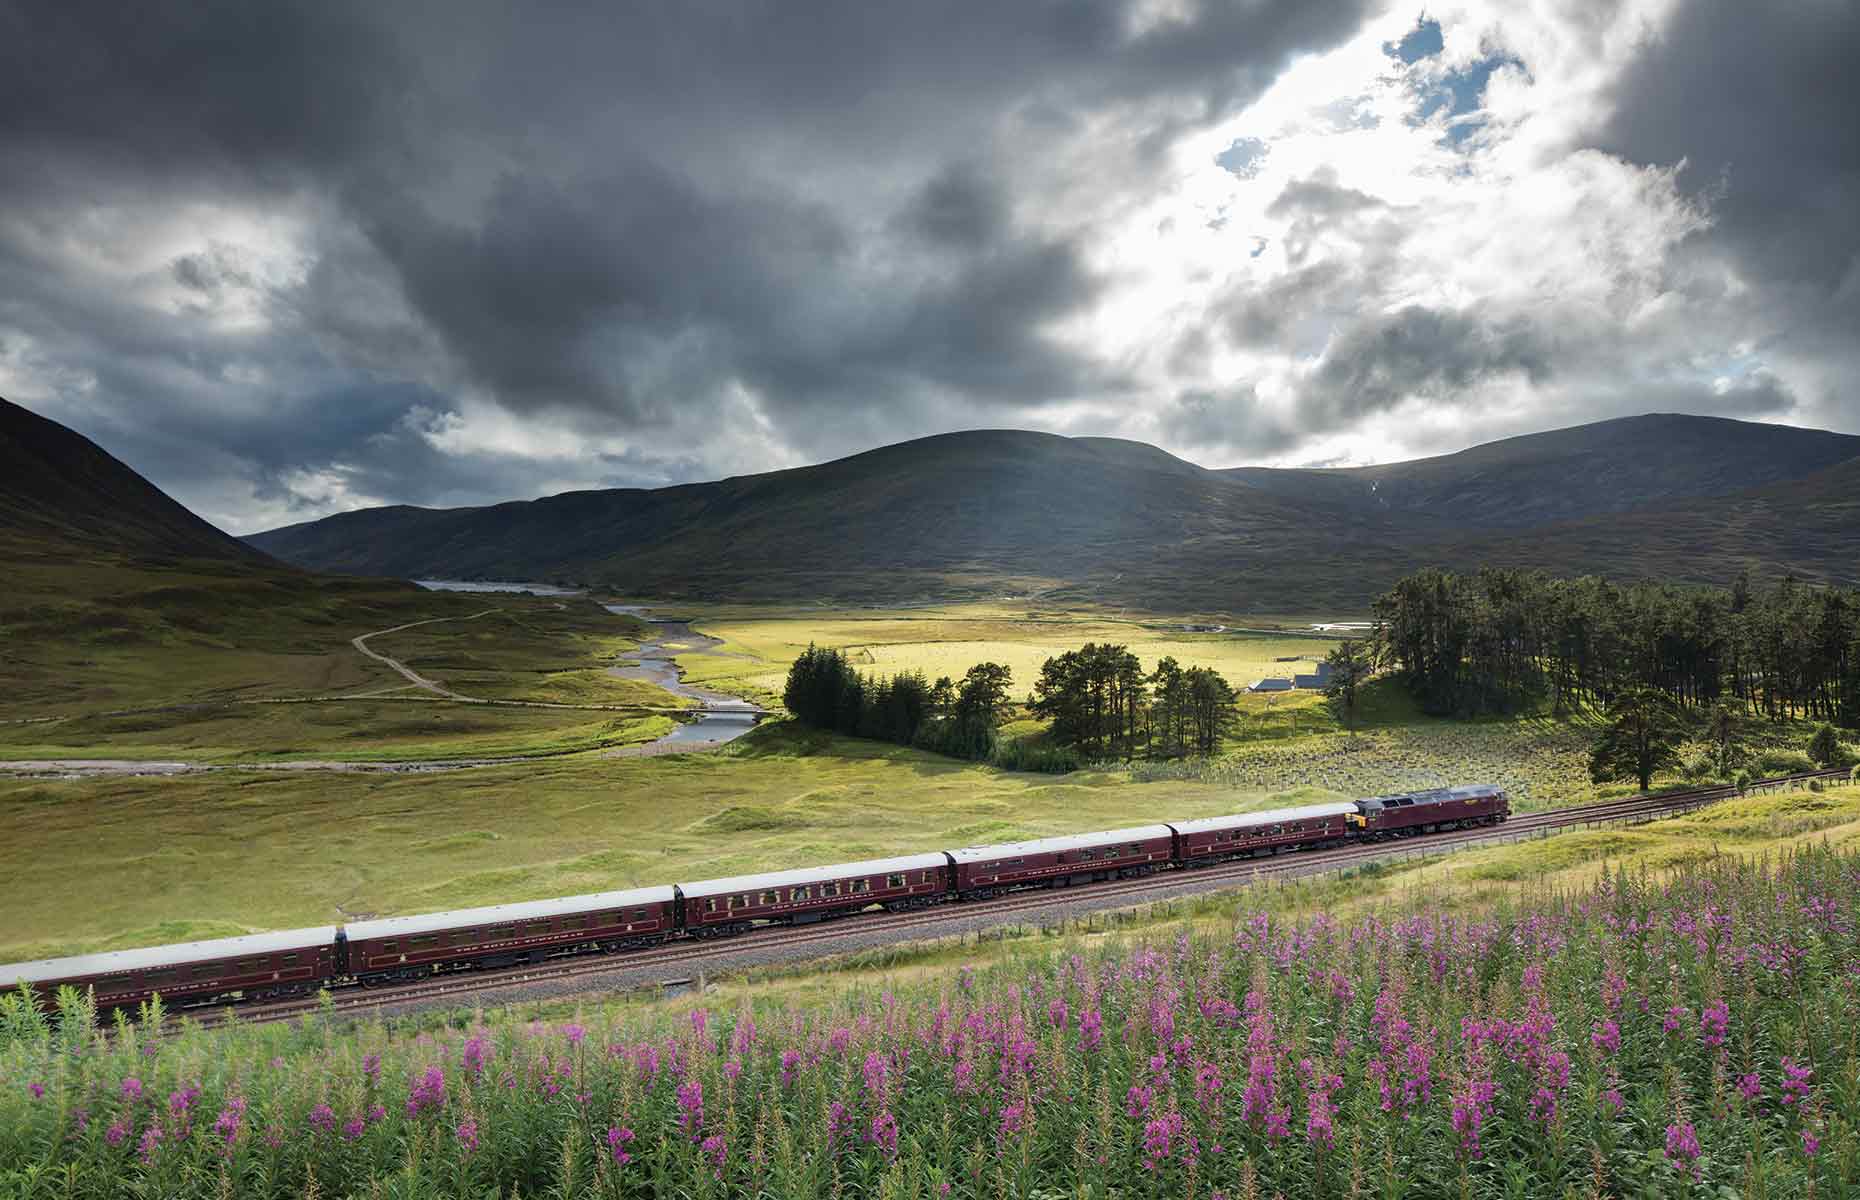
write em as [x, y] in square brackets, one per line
[296, 962]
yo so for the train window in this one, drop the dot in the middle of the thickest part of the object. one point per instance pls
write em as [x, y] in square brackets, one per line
[575, 923]
[1085, 856]
[390, 947]
[204, 970]
[710, 905]
[422, 943]
[923, 877]
[768, 898]
[894, 881]
[247, 966]
[640, 914]
[1015, 862]
[795, 895]
[829, 889]
[290, 960]
[507, 931]
[861, 886]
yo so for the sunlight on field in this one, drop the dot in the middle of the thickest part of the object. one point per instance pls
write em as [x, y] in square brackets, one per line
[760, 643]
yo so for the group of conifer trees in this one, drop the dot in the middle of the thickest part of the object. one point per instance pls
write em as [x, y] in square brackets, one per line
[955, 717]
[1501, 641]
[1099, 699]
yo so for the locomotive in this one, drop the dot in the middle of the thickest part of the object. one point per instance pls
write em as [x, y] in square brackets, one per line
[296, 962]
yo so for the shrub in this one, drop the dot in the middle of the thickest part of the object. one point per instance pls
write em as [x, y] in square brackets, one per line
[1742, 780]
[1784, 762]
[1697, 764]
[1023, 755]
[1825, 746]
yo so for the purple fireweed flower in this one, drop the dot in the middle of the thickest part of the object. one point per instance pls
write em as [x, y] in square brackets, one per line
[1714, 1023]
[1811, 1144]
[1607, 1036]
[1091, 1029]
[323, 1118]
[472, 1059]
[353, 1128]
[1795, 1089]
[181, 1102]
[717, 1150]
[467, 1133]
[1159, 1137]
[1137, 1101]
[371, 1067]
[646, 1061]
[691, 1107]
[618, 1139]
[1613, 1099]
[884, 1134]
[574, 1033]
[1469, 1112]
[1675, 1019]
[428, 1093]
[376, 1113]
[1682, 1148]
[839, 1123]
[230, 1118]
[733, 1069]
[131, 1088]
[37, 1089]
[1056, 1014]
[1749, 1086]
[119, 1131]
[875, 1070]
[151, 1138]
[700, 1021]
[1013, 1120]
[790, 1066]
[839, 1039]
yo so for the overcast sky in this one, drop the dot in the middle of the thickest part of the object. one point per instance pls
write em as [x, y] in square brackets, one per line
[287, 259]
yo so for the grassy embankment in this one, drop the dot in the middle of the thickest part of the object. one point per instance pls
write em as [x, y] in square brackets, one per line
[146, 665]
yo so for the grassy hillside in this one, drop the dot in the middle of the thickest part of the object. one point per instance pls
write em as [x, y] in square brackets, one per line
[1093, 520]
[1659, 460]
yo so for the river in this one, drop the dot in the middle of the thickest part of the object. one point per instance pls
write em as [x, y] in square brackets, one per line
[725, 717]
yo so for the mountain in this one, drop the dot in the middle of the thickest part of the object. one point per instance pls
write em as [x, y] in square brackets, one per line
[1567, 474]
[118, 596]
[976, 511]
[61, 493]
[1099, 519]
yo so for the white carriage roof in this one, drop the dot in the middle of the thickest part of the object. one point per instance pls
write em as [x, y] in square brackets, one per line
[1271, 816]
[803, 875]
[1072, 841]
[180, 954]
[531, 910]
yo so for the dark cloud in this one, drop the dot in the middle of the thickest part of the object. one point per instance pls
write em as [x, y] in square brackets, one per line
[1759, 103]
[1417, 352]
[621, 219]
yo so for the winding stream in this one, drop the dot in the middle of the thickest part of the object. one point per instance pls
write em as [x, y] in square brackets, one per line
[724, 717]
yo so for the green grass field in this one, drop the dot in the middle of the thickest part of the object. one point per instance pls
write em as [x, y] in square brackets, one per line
[197, 698]
[102, 863]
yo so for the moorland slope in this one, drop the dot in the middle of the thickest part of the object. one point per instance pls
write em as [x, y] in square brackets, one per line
[1099, 519]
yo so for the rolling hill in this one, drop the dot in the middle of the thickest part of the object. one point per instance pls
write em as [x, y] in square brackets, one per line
[116, 595]
[1098, 519]
[1659, 460]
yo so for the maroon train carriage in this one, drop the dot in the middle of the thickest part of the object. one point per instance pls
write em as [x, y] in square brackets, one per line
[502, 935]
[715, 907]
[1273, 831]
[1062, 861]
[261, 966]
[1432, 811]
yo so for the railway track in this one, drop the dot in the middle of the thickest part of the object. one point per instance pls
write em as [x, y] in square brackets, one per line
[943, 919]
